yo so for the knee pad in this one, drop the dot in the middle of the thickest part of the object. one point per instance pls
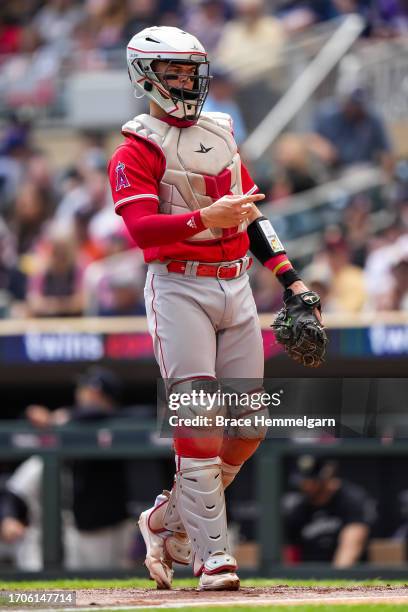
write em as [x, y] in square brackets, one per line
[196, 404]
[229, 472]
[248, 417]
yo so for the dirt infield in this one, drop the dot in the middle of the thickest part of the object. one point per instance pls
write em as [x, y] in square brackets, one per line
[280, 594]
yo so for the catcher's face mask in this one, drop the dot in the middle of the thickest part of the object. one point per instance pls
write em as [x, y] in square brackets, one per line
[187, 83]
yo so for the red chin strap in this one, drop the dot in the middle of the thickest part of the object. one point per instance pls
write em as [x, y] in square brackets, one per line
[176, 122]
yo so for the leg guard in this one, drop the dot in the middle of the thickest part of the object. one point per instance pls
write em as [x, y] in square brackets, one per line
[201, 506]
[157, 561]
[176, 544]
[171, 518]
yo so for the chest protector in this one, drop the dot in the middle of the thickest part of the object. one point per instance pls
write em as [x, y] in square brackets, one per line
[202, 164]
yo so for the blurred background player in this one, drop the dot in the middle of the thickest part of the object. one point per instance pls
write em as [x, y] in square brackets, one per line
[328, 519]
[97, 531]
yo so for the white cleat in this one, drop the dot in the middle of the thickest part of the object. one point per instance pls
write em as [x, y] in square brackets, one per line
[227, 581]
[218, 573]
[157, 560]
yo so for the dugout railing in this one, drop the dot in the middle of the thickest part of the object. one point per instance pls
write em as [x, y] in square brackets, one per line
[18, 441]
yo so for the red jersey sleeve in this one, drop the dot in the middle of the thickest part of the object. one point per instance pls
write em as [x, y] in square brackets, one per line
[135, 171]
[248, 185]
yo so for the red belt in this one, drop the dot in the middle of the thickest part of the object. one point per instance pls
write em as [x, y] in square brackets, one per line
[229, 270]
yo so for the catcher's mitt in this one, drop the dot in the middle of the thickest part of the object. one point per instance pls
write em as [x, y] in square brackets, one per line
[298, 329]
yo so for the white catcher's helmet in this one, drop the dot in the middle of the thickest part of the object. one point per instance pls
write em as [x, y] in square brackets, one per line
[174, 46]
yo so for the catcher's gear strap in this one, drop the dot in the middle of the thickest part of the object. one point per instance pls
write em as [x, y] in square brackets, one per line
[266, 246]
[229, 472]
[171, 517]
[201, 505]
[310, 299]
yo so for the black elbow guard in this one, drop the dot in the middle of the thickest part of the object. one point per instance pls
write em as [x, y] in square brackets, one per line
[263, 240]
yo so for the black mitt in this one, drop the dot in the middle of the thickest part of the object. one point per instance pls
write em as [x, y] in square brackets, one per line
[298, 329]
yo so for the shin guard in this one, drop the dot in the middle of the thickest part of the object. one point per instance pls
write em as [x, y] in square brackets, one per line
[201, 506]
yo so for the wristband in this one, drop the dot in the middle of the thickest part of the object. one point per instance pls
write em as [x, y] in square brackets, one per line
[288, 277]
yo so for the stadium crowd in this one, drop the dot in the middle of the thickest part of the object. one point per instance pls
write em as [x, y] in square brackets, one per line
[62, 26]
[63, 252]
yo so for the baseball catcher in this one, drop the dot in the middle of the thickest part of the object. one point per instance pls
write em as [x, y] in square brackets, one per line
[189, 202]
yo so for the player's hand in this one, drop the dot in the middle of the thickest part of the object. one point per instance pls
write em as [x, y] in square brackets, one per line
[12, 529]
[230, 210]
[300, 287]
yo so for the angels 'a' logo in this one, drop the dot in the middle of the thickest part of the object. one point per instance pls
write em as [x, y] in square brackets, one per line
[121, 178]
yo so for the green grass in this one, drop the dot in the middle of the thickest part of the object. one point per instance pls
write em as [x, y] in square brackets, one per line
[144, 583]
[300, 608]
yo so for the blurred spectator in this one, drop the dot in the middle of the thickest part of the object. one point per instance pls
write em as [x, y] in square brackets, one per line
[99, 496]
[251, 43]
[10, 33]
[141, 14]
[75, 196]
[15, 150]
[126, 296]
[384, 251]
[221, 99]
[40, 174]
[106, 227]
[327, 519]
[13, 281]
[107, 19]
[294, 167]
[347, 287]
[206, 20]
[399, 295]
[92, 154]
[357, 134]
[346, 284]
[319, 279]
[297, 15]
[389, 18]
[29, 78]
[55, 23]
[89, 250]
[357, 223]
[115, 284]
[28, 217]
[89, 189]
[57, 289]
